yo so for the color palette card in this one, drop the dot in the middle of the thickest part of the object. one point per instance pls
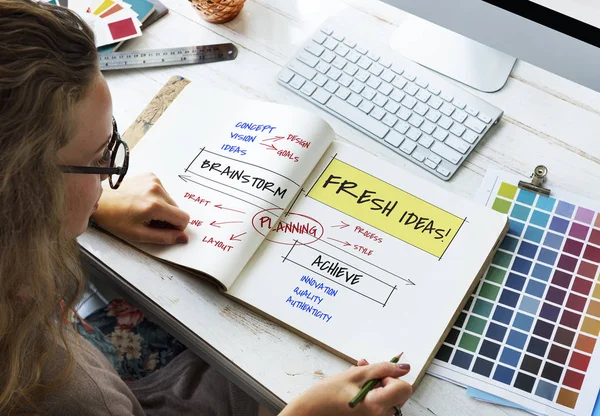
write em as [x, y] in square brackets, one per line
[528, 333]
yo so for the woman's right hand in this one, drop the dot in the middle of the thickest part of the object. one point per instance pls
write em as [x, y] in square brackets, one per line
[331, 396]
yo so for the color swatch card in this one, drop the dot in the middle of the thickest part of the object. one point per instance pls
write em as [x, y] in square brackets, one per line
[529, 331]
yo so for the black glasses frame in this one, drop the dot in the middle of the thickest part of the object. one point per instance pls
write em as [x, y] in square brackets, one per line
[113, 144]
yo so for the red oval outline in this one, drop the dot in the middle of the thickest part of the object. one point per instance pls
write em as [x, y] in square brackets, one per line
[290, 213]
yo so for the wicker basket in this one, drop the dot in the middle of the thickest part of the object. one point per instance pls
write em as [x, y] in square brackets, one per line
[218, 11]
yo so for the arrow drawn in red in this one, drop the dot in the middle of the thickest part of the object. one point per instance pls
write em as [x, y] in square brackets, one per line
[220, 206]
[345, 243]
[275, 139]
[269, 146]
[341, 226]
[218, 224]
[235, 237]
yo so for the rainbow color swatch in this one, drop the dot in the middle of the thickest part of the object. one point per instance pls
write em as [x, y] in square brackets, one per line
[531, 327]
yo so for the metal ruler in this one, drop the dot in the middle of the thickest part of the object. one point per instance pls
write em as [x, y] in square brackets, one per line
[202, 54]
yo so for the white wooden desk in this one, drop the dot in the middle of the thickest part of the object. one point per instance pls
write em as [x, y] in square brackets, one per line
[547, 120]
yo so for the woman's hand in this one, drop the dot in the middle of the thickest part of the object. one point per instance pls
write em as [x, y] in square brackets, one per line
[331, 396]
[142, 211]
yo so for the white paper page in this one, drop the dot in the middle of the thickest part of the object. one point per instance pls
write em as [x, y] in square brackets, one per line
[223, 159]
[532, 327]
[354, 276]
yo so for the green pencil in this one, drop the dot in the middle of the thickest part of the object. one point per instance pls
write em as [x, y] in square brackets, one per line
[369, 385]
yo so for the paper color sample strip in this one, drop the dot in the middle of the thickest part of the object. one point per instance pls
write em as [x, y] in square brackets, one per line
[531, 326]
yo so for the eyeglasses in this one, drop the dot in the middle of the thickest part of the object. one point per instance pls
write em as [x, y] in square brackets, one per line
[117, 152]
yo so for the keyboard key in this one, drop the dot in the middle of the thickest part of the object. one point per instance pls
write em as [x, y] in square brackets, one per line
[349, 42]
[443, 171]
[385, 88]
[361, 49]
[373, 56]
[404, 113]
[474, 124]
[328, 56]
[330, 43]
[326, 30]
[425, 141]
[377, 113]
[435, 102]
[308, 88]
[440, 134]
[285, 75]
[345, 80]
[394, 138]
[459, 116]
[446, 97]
[362, 75]
[430, 164]
[387, 75]
[446, 152]
[320, 80]
[409, 102]
[366, 106]
[418, 156]
[423, 95]
[350, 69]
[484, 118]
[355, 99]
[408, 146]
[411, 89]
[409, 76]
[397, 95]
[445, 122]
[308, 59]
[470, 136]
[433, 116]
[368, 93]
[472, 111]
[399, 82]
[353, 56]
[315, 49]
[389, 120]
[321, 96]
[457, 144]
[319, 37]
[457, 129]
[402, 127]
[434, 90]
[421, 83]
[416, 121]
[332, 86]
[339, 62]
[343, 93]
[434, 158]
[380, 99]
[376, 69]
[374, 82]
[302, 69]
[421, 109]
[297, 82]
[385, 62]
[392, 106]
[459, 104]
[447, 109]
[322, 67]
[364, 62]
[342, 50]
[398, 70]
[334, 74]
[413, 134]
[338, 36]
[428, 127]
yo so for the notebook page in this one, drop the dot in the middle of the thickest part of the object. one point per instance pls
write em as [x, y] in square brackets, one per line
[223, 159]
[379, 262]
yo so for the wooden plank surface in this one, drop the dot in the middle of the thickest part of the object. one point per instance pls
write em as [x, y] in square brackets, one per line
[547, 120]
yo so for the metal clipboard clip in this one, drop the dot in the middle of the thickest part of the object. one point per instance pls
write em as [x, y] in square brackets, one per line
[538, 177]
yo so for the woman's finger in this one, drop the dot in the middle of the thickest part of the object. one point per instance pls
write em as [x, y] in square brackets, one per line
[392, 392]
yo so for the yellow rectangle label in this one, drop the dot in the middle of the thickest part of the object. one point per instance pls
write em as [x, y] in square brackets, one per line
[385, 207]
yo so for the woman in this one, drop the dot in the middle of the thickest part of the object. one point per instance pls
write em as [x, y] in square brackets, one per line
[56, 130]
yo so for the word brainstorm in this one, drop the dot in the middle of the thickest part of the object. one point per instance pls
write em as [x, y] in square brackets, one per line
[385, 207]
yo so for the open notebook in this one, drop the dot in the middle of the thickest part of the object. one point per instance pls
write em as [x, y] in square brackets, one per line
[349, 251]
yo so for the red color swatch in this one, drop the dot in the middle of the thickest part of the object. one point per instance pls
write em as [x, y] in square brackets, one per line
[576, 302]
[579, 361]
[592, 253]
[122, 29]
[581, 286]
[587, 269]
[595, 237]
[570, 319]
[573, 379]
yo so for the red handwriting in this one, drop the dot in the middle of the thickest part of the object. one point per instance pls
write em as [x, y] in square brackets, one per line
[220, 206]
[344, 243]
[297, 140]
[217, 243]
[235, 237]
[289, 154]
[197, 199]
[362, 249]
[291, 229]
[269, 146]
[218, 224]
[341, 226]
[368, 234]
[275, 139]
[197, 223]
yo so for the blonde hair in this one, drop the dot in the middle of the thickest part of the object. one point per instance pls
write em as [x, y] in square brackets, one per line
[48, 61]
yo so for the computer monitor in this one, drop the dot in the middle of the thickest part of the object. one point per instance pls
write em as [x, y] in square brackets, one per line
[561, 36]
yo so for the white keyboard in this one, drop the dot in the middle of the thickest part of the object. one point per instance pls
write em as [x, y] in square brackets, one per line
[420, 116]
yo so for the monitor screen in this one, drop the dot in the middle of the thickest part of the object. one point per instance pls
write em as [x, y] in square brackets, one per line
[577, 18]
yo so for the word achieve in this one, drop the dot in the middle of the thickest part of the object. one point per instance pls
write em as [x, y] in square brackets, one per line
[255, 127]
[335, 270]
[217, 243]
[307, 307]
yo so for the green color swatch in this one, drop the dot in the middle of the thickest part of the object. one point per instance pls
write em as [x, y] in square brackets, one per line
[476, 325]
[496, 275]
[507, 190]
[501, 205]
[469, 342]
[489, 291]
[502, 259]
[482, 308]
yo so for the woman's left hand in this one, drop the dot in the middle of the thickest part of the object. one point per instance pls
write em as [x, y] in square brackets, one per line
[142, 211]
